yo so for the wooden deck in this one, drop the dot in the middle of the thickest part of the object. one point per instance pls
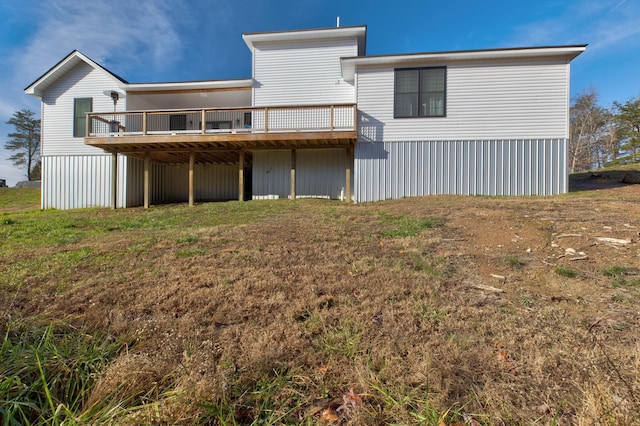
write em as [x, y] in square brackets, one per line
[171, 136]
[221, 136]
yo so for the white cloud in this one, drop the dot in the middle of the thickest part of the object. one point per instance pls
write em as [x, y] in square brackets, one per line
[601, 24]
[127, 33]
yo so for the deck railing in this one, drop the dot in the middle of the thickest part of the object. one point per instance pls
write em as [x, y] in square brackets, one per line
[273, 119]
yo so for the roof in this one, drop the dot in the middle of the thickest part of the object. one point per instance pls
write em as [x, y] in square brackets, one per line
[61, 68]
[567, 53]
[360, 32]
[74, 58]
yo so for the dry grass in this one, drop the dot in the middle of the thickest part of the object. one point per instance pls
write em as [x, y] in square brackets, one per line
[268, 312]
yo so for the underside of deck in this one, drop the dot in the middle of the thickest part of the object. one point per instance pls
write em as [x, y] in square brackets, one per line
[217, 148]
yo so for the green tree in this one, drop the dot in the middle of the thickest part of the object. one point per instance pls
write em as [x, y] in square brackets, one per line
[628, 116]
[25, 142]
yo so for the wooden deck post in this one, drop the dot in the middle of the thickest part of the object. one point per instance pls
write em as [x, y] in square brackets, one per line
[293, 174]
[241, 176]
[147, 167]
[347, 176]
[114, 180]
[192, 161]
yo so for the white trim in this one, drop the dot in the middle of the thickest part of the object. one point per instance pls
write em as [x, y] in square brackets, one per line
[324, 33]
[191, 85]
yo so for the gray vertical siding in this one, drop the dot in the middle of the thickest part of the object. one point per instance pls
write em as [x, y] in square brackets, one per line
[79, 181]
[170, 183]
[135, 182]
[320, 173]
[271, 174]
[71, 182]
[385, 170]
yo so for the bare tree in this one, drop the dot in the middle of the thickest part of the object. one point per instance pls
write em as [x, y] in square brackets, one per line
[25, 141]
[588, 123]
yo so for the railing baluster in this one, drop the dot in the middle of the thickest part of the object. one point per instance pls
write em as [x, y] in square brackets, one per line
[144, 123]
[309, 118]
[331, 118]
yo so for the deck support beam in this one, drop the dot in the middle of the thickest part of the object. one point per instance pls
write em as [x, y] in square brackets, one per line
[292, 191]
[147, 167]
[114, 180]
[347, 174]
[192, 161]
[241, 176]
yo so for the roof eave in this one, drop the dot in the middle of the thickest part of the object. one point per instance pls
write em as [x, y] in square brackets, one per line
[319, 33]
[568, 53]
[191, 85]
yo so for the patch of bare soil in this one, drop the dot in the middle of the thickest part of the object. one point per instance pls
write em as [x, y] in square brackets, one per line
[512, 311]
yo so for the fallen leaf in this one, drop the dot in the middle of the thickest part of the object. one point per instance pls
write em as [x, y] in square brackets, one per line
[329, 415]
[350, 397]
[502, 356]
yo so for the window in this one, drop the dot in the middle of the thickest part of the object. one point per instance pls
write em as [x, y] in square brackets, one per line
[420, 92]
[178, 122]
[81, 106]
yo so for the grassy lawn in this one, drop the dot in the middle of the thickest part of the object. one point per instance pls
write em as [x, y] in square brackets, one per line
[435, 310]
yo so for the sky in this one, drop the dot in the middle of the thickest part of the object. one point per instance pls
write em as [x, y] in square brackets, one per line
[178, 40]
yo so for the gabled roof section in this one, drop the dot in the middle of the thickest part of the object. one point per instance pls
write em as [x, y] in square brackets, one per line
[360, 32]
[566, 53]
[61, 68]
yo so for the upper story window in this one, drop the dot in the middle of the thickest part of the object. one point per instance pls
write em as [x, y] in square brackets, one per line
[81, 106]
[420, 92]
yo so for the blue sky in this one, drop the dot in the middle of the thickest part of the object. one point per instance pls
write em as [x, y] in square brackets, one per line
[173, 40]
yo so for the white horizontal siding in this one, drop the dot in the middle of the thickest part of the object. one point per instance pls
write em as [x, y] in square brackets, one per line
[474, 167]
[79, 181]
[483, 101]
[83, 81]
[302, 72]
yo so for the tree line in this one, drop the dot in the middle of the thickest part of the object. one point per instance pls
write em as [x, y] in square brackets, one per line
[603, 136]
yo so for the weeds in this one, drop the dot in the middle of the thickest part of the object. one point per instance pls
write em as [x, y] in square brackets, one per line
[406, 226]
[565, 272]
[48, 372]
[614, 271]
[514, 262]
[619, 275]
[343, 340]
[272, 399]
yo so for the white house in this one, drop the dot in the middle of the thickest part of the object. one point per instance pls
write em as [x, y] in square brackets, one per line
[318, 118]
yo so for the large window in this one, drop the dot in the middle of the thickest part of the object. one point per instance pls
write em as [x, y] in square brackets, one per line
[81, 106]
[420, 92]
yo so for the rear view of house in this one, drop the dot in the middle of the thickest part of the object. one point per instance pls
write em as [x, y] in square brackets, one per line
[317, 118]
